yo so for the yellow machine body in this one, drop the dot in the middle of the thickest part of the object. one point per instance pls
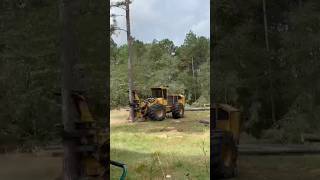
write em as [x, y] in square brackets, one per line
[228, 120]
[159, 97]
[85, 114]
[93, 142]
[164, 99]
[225, 139]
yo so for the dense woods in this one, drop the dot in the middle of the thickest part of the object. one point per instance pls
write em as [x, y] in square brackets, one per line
[185, 68]
[273, 75]
[30, 43]
[276, 87]
[31, 68]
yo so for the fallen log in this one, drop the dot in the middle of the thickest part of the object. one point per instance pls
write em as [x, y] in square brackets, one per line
[192, 109]
[309, 138]
[52, 147]
[204, 121]
[197, 109]
[277, 149]
[254, 150]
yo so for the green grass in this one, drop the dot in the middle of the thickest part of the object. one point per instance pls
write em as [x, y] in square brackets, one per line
[154, 150]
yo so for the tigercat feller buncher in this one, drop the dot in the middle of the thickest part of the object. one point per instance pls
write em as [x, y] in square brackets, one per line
[159, 104]
[225, 140]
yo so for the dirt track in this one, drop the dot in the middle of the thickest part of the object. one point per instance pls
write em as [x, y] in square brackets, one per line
[301, 167]
[274, 162]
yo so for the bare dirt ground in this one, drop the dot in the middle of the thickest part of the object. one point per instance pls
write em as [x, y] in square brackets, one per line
[262, 160]
[29, 167]
[298, 167]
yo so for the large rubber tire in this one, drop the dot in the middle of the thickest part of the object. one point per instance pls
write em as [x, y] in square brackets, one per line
[157, 112]
[177, 110]
[225, 155]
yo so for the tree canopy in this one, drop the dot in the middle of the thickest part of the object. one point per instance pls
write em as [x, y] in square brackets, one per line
[30, 66]
[240, 70]
[185, 69]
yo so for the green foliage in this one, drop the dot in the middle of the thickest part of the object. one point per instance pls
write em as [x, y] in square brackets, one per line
[241, 68]
[30, 66]
[155, 65]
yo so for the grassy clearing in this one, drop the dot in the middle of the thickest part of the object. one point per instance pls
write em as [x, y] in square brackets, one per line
[178, 149]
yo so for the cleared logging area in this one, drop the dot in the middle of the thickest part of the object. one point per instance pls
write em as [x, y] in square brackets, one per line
[168, 149]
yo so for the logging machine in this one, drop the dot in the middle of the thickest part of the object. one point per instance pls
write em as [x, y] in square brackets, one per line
[92, 141]
[159, 104]
[225, 140]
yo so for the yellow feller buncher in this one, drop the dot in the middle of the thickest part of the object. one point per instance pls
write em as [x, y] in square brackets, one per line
[159, 104]
[225, 140]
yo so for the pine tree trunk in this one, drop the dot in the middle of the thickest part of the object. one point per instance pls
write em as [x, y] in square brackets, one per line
[300, 3]
[69, 114]
[194, 82]
[214, 54]
[273, 113]
[130, 74]
[225, 95]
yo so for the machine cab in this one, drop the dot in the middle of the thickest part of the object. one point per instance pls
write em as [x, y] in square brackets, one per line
[159, 92]
[226, 118]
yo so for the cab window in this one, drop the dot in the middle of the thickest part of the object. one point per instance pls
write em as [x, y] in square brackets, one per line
[156, 93]
[222, 114]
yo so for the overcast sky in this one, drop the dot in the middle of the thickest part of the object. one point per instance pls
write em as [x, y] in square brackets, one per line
[160, 19]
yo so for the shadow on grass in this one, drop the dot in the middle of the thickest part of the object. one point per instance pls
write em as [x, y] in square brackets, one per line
[158, 165]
